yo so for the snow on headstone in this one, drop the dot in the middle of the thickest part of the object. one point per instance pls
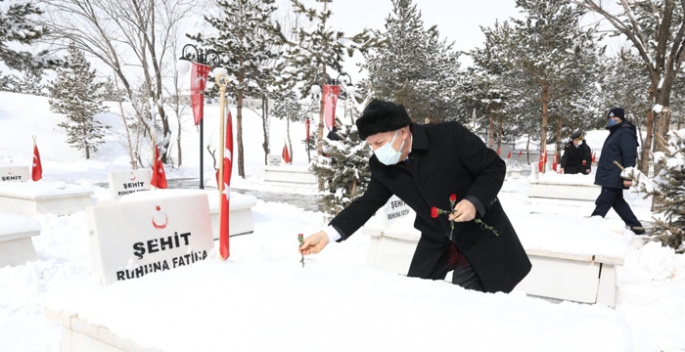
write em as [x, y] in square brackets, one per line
[122, 183]
[157, 232]
[14, 174]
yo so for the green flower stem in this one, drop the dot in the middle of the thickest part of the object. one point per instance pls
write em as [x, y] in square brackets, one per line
[485, 226]
[301, 240]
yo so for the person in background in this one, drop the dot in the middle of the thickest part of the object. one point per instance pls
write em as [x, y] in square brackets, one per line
[577, 157]
[620, 146]
[424, 165]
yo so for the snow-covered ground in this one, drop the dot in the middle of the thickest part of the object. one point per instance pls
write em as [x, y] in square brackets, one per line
[263, 300]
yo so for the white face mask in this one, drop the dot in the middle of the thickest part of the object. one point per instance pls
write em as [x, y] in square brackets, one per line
[387, 154]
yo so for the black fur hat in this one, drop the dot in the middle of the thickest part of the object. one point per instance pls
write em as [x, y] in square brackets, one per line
[618, 112]
[382, 116]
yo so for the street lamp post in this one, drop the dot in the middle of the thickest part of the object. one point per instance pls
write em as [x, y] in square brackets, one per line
[190, 53]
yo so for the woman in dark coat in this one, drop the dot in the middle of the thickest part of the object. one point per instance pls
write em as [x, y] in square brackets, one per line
[577, 157]
[621, 147]
[423, 165]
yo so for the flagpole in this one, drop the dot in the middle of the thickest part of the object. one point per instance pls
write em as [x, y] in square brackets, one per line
[220, 79]
[34, 140]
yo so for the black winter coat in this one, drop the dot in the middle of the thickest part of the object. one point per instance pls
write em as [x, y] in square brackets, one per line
[620, 146]
[446, 158]
[572, 161]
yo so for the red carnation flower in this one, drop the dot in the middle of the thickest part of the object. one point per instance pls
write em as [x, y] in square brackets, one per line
[453, 198]
[434, 212]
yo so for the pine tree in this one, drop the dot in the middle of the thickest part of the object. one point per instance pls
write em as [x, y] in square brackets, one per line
[316, 51]
[669, 188]
[19, 25]
[31, 83]
[345, 167]
[414, 67]
[8, 83]
[109, 91]
[75, 93]
[551, 58]
[243, 44]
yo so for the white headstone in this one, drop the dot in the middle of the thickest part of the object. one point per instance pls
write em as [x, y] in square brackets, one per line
[397, 209]
[131, 239]
[273, 160]
[122, 183]
[14, 174]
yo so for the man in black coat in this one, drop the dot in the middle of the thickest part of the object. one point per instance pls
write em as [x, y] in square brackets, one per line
[620, 146]
[577, 157]
[423, 165]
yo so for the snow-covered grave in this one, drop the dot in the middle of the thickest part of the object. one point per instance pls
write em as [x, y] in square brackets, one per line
[122, 183]
[16, 247]
[573, 259]
[155, 231]
[14, 174]
[232, 305]
[240, 207]
[44, 197]
[299, 175]
[553, 193]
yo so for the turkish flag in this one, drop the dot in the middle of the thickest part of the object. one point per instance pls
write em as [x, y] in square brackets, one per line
[37, 169]
[541, 163]
[520, 153]
[158, 175]
[307, 122]
[198, 83]
[509, 155]
[554, 162]
[594, 157]
[286, 154]
[330, 95]
[224, 245]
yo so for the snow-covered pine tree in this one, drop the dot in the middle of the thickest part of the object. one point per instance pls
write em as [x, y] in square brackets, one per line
[8, 83]
[109, 90]
[414, 67]
[345, 167]
[20, 25]
[287, 107]
[486, 77]
[74, 93]
[551, 56]
[669, 187]
[318, 50]
[243, 43]
[31, 83]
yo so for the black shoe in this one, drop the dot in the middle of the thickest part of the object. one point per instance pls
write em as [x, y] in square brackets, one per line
[638, 230]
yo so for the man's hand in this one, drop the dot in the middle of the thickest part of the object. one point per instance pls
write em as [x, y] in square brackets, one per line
[463, 211]
[314, 243]
[561, 171]
[627, 183]
[587, 171]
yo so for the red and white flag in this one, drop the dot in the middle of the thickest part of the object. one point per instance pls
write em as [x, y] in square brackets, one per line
[224, 246]
[541, 163]
[158, 175]
[594, 157]
[286, 154]
[554, 162]
[330, 94]
[509, 155]
[198, 82]
[37, 168]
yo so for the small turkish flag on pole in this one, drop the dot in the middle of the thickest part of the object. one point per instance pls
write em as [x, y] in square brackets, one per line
[509, 155]
[158, 175]
[541, 163]
[286, 154]
[224, 232]
[499, 151]
[594, 157]
[37, 168]
[554, 162]
[198, 83]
